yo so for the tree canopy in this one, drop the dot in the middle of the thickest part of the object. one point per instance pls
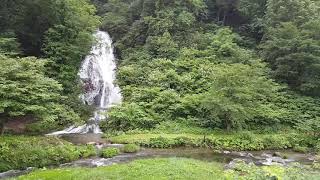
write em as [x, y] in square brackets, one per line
[219, 64]
[25, 90]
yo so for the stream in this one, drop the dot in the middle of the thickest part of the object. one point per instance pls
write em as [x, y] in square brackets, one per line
[260, 158]
[257, 157]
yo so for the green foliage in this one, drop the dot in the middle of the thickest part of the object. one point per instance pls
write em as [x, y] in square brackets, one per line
[301, 112]
[237, 92]
[301, 149]
[318, 147]
[159, 142]
[9, 45]
[22, 152]
[32, 19]
[162, 47]
[60, 31]
[110, 152]
[129, 116]
[242, 141]
[25, 90]
[184, 88]
[293, 53]
[68, 41]
[178, 128]
[316, 166]
[296, 11]
[178, 62]
[131, 148]
[177, 67]
[87, 151]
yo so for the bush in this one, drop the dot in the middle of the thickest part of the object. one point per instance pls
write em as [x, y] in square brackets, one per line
[316, 166]
[22, 152]
[34, 95]
[129, 116]
[276, 142]
[87, 151]
[110, 152]
[160, 142]
[182, 141]
[317, 146]
[246, 141]
[131, 148]
[300, 149]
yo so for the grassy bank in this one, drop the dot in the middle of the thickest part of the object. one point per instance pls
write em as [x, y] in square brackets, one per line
[19, 152]
[173, 168]
[237, 142]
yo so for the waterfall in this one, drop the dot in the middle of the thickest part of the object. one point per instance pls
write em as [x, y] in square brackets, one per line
[97, 76]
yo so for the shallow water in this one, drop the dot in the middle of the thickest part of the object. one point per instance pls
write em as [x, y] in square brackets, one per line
[203, 154]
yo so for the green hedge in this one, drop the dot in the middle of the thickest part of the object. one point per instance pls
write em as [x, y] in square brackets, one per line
[19, 152]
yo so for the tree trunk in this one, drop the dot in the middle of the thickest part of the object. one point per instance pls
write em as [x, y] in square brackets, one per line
[1, 129]
[224, 18]
[228, 122]
[218, 15]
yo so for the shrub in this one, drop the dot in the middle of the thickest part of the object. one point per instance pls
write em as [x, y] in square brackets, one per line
[300, 149]
[316, 166]
[110, 152]
[160, 142]
[21, 152]
[234, 142]
[276, 142]
[131, 148]
[129, 116]
[182, 141]
[317, 146]
[87, 151]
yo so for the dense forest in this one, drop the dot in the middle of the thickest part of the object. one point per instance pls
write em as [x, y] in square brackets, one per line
[210, 89]
[216, 64]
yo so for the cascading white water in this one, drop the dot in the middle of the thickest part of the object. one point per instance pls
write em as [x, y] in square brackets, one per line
[97, 75]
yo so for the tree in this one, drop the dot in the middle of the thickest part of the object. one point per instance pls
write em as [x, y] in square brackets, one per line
[55, 29]
[25, 90]
[162, 47]
[68, 41]
[9, 45]
[254, 12]
[236, 93]
[130, 116]
[293, 53]
[295, 11]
